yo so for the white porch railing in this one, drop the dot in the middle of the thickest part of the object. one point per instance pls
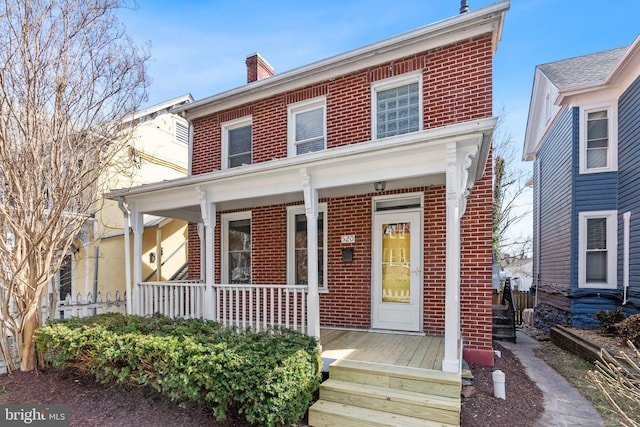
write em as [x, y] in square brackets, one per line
[184, 298]
[255, 307]
[259, 306]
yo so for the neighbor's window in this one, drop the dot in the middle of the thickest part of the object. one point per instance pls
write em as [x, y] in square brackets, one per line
[598, 242]
[297, 246]
[598, 140]
[307, 126]
[397, 106]
[237, 143]
[236, 248]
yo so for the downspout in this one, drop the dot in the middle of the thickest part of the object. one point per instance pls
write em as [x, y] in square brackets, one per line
[625, 257]
[127, 254]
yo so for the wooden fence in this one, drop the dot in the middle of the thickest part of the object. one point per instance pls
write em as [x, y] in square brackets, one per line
[522, 300]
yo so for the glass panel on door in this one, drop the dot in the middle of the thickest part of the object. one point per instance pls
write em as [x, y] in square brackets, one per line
[396, 262]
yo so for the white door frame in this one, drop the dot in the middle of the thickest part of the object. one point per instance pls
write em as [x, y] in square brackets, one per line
[399, 316]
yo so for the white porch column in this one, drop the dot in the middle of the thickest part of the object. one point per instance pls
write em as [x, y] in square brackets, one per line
[158, 254]
[458, 163]
[127, 256]
[137, 224]
[209, 219]
[313, 298]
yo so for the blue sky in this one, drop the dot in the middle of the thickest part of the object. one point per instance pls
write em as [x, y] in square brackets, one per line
[199, 47]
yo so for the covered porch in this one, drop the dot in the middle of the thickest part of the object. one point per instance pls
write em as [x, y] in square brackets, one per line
[414, 351]
[452, 156]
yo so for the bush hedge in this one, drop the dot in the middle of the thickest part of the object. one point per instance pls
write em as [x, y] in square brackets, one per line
[268, 377]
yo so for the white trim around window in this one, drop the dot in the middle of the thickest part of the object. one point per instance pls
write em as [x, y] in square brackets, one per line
[609, 109]
[599, 245]
[292, 212]
[392, 83]
[226, 127]
[225, 219]
[311, 139]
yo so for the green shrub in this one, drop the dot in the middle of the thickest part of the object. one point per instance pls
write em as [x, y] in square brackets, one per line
[269, 377]
[629, 329]
[608, 319]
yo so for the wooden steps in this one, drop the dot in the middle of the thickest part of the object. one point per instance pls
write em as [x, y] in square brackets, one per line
[503, 325]
[372, 394]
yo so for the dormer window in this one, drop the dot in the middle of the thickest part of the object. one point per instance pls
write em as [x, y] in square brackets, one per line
[237, 143]
[307, 126]
[397, 106]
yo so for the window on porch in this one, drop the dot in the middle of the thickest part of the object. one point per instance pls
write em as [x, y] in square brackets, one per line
[236, 248]
[297, 246]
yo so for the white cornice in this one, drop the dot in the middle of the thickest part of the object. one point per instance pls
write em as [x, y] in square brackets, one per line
[489, 19]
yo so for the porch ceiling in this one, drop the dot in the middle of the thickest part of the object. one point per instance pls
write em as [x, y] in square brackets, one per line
[416, 159]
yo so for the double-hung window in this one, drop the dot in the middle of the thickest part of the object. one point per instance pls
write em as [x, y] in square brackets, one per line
[297, 266]
[598, 140]
[236, 143]
[236, 248]
[307, 126]
[598, 246]
[397, 105]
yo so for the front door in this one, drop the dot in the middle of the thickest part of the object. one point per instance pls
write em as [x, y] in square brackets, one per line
[397, 271]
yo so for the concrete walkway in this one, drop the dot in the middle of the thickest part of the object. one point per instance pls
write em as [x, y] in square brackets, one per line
[563, 405]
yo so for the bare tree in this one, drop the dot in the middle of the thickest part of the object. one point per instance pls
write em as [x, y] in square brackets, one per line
[69, 76]
[509, 183]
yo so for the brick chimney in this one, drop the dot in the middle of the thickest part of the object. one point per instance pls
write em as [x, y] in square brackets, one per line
[257, 68]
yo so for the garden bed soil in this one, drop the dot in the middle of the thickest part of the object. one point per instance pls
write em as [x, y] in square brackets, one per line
[524, 402]
[93, 404]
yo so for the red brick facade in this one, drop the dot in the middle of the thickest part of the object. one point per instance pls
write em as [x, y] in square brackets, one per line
[457, 85]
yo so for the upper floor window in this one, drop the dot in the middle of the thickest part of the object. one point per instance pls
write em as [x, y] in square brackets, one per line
[397, 105]
[307, 126]
[598, 140]
[181, 132]
[597, 243]
[236, 143]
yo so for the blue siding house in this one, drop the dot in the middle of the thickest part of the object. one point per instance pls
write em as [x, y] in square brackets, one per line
[583, 135]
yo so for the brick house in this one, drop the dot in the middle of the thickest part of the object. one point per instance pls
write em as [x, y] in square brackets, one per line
[353, 193]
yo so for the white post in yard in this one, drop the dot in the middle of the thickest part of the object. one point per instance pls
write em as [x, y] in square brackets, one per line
[137, 224]
[313, 297]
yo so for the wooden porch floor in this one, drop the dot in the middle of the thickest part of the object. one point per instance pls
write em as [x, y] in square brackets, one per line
[425, 352]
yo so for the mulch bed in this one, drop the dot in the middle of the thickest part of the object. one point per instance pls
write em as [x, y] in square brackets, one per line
[93, 404]
[524, 403]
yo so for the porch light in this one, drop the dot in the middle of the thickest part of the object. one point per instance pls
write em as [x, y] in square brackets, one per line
[380, 185]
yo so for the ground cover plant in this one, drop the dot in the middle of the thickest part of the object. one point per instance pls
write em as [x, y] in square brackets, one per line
[267, 377]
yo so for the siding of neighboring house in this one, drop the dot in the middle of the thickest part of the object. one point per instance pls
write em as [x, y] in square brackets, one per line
[454, 90]
[592, 192]
[629, 187]
[554, 205]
